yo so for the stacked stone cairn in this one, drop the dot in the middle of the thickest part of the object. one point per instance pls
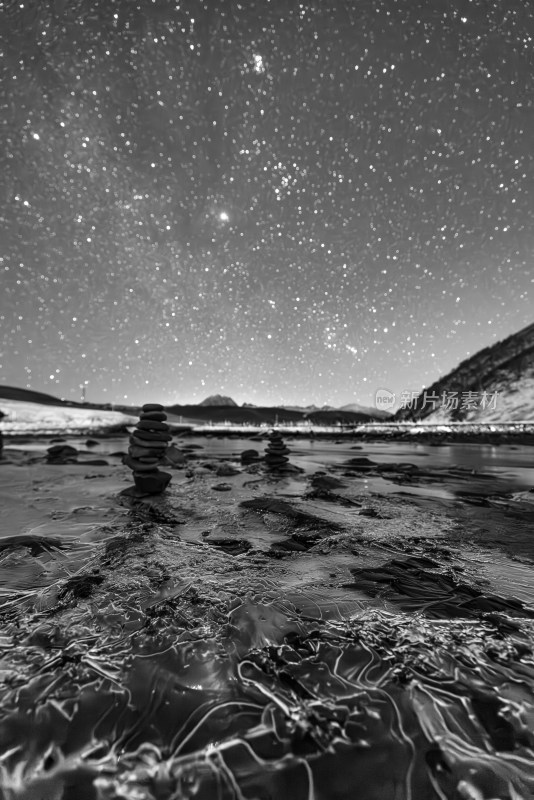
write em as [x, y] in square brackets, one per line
[276, 453]
[148, 444]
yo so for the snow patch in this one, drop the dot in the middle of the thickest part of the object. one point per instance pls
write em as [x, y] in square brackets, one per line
[34, 418]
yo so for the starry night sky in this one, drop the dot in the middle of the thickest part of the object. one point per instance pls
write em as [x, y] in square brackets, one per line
[280, 201]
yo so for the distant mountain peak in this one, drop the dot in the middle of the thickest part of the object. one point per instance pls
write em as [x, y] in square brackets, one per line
[218, 400]
[372, 412]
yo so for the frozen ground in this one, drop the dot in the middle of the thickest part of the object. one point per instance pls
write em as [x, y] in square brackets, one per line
[254, 635]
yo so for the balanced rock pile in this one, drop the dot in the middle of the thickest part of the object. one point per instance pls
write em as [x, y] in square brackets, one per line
[148, 444]
[276, 453]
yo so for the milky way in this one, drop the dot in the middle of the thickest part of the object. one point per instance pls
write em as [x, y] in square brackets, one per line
[278, 201]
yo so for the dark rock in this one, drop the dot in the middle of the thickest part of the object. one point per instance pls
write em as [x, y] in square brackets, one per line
[151, 482]
[61, 454]
[322, 481]
[92, 443]
[63, 449]
[248, 456]
[361, 463]
[141, 466]
[232, 546]
[159, 416]
[94, 462]
[148, 444]
[152, 436]
[222, 487]
[152, 407]
[225, 470]
[290, 468]
[136, 451]
[57, 439]
[174, 457]
[401, 467]
[152, 425]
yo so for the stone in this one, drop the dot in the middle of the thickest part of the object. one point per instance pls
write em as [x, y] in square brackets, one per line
[175, 457]
[61, 454]
[361, 463]
[147, 444]
[159, 416]
[138, 466]
[151, 482]
[225, 470]
[276, 452]
[152, 425]
[91, 443]
[248, 456]
[146, 452]
[152, 436]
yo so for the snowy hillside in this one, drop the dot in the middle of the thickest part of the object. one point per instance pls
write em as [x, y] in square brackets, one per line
[34, 418]
[494, 385]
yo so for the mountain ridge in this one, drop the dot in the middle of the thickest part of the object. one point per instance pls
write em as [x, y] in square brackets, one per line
[501, 376]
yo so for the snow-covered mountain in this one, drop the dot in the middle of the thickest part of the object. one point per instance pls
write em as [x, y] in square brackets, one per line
[494, 385]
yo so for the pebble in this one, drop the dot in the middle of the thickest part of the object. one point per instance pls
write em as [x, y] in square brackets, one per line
[152, 425]
[147, 443]
[137, 451]
[152, 407]
[140, 466]
[155, 436]
[159, 416]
